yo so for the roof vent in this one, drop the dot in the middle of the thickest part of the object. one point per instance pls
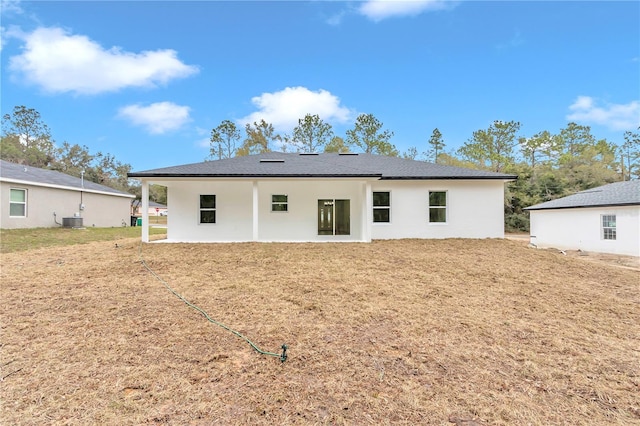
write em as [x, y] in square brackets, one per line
[347, 153]
[272, 160]
[308, 153]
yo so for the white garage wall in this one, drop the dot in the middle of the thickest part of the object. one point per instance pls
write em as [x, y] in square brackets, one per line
[580, 228]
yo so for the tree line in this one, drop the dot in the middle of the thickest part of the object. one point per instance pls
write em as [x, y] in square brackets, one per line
[26, 139]
[549, 165]
[311, 135]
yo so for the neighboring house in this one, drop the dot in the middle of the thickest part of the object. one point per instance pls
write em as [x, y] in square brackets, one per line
[155, 209]
[34, 198]
[604, 219]
[326, 197]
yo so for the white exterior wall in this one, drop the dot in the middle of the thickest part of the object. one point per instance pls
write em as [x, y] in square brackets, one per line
[581, 228]
[300, 223]
[234, 210]
[475, 209]
[100, 210]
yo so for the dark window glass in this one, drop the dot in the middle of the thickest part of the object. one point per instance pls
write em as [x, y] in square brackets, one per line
[343, 221]
[279, 207]
[279, 203]
[207, 216]
[207, 201]
[381, 215]
[437, 199]
[437, 215]
[381, 199]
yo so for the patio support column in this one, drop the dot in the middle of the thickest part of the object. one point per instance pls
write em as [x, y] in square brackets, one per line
[255, 210]
[367, 214]
[145, 211]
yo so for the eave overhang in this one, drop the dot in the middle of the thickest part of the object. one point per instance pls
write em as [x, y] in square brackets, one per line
[590, 206]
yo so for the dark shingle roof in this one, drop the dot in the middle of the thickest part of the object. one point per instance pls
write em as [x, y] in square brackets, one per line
[32, 175]
[279, 164]
[613, 194]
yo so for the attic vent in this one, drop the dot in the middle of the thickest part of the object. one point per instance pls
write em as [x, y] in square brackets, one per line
[347, 153]
[272, 160]
[308, 153]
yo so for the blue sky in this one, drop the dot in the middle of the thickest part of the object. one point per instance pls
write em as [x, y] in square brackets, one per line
[147, 81]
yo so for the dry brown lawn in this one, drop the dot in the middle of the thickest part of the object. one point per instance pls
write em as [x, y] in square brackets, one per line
[462, 332]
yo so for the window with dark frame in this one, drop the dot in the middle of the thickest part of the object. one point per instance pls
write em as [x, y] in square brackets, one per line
[608, 226]
[437, 206]
[18, 203]
[280, 203]
[207, 209]
[381, 207]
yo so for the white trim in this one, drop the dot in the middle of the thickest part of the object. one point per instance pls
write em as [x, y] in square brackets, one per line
[613, 228]
[286, 203]
[68, 188]
[445, 207]
[26, 195]
[159, 180]
[381, 207]
[207, 209]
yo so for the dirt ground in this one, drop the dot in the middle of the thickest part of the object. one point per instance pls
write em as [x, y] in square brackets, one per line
[464, 332]
[631, 262]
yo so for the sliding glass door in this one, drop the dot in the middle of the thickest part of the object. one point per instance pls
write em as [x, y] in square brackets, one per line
[334, 217]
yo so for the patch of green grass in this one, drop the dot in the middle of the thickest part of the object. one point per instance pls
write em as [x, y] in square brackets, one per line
[15, 240]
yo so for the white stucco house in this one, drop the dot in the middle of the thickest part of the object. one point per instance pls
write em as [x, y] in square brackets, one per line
[38, 198]
[293, 197]
[604, 220]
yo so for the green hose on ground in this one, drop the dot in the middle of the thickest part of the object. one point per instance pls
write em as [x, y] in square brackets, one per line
[282, 356]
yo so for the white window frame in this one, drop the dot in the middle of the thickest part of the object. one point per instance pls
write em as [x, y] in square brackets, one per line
[387, 207]
[207, 209]
[22, 203]
[445, 207]
[280, 203]
[608, 232]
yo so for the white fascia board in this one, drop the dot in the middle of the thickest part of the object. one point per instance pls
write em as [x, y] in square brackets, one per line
[164, 180]
[68, 188]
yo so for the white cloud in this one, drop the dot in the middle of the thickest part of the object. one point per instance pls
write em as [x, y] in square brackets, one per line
[157, 118]
[336, 19]
[377, 10]
[283, 109]
[614, 116]
[204, 140]
[11, 6]
[60, 62]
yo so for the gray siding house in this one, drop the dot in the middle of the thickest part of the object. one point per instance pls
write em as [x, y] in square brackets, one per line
[35, 198]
